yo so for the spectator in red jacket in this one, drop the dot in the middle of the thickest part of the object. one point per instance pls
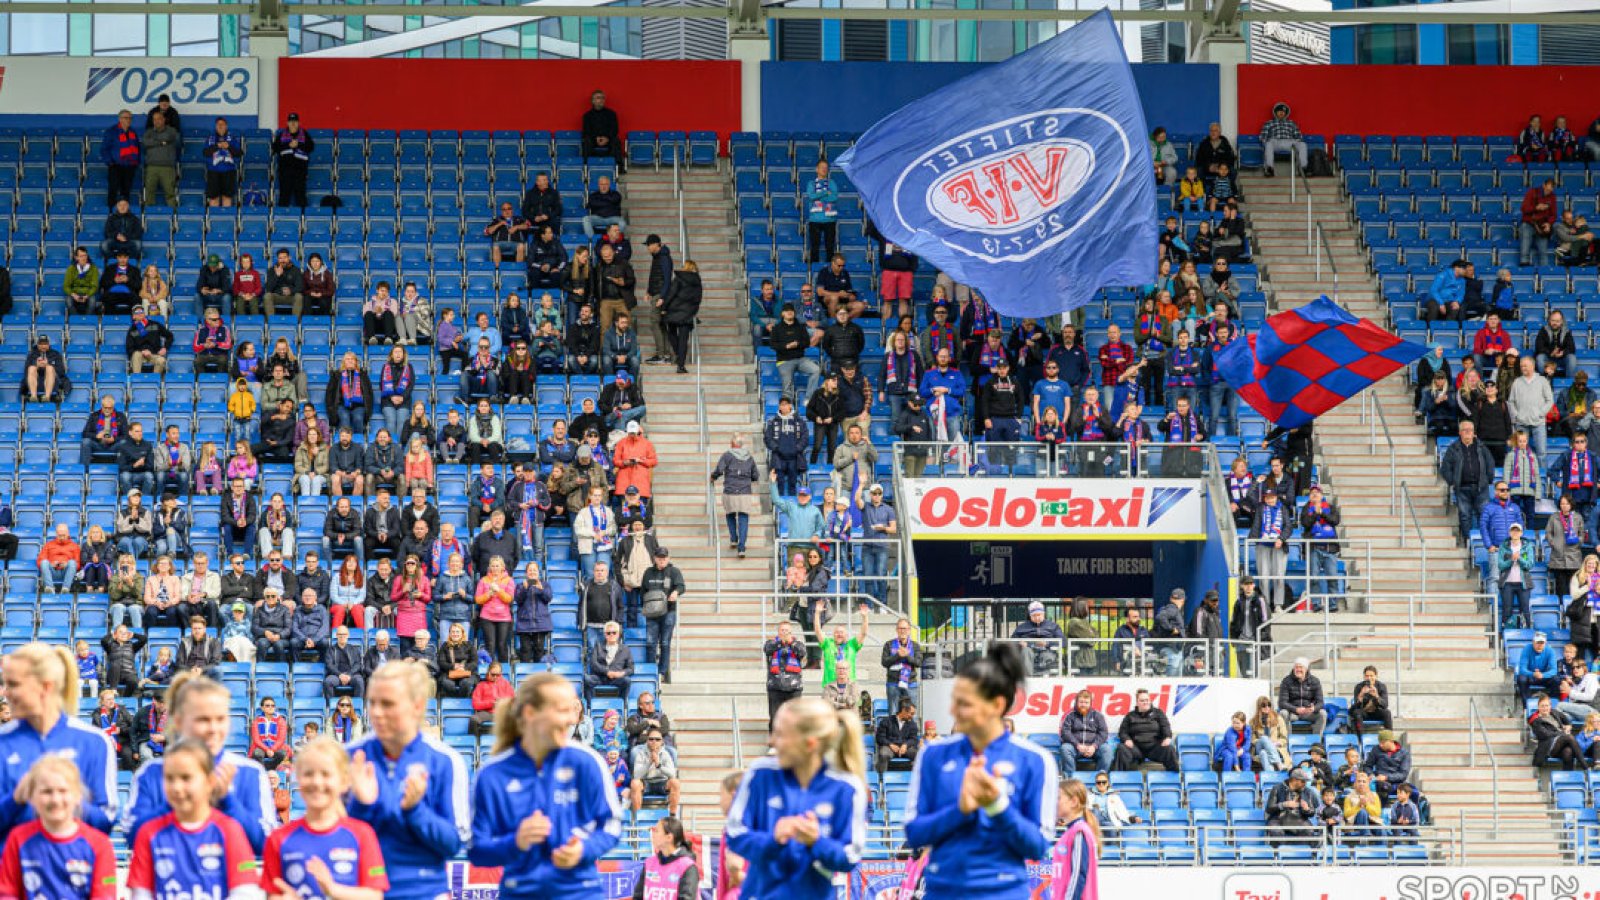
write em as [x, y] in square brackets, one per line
[269, 736]
[1539, 215]
[1491, 343]
[488, 692]
[247, 288]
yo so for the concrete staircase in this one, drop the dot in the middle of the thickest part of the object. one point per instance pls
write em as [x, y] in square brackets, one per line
[1454, 659]
[718, 641]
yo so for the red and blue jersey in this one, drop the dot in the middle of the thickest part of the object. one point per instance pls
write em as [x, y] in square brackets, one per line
[210, 862]
[350, 850]
[38, 865]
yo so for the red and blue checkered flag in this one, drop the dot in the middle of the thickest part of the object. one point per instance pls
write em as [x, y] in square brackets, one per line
[1306, 361]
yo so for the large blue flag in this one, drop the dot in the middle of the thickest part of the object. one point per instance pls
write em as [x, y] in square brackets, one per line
[1306, 361]
[1041, 190]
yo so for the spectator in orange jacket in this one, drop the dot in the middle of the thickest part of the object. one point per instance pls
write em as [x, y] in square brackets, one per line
[634, 457]
[59, 559]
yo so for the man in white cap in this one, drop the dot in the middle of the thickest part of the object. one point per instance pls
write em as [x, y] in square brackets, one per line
[880, 527]
[1044, 638]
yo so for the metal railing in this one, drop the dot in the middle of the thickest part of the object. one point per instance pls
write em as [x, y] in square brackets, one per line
[844, 560]
[1350, 550]
[738, 733]
[1475, 731]
[1105, 657]
[1333, 640]
[1322, 246]
[1416, 523]
[1031, 459]
[1327, 647]
[1372, 414]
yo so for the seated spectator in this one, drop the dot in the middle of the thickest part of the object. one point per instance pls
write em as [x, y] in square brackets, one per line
[119, 285]
[213, 343]
[269, 736]
[485, 435]
[547, 262]
[1551, 737]
[46, 374]
[1291, 809]
[485, 696]
[1536, 669]
[621, 401]
[1233, 752]
[1128, 643]
[1281, 134]
[155, 294]
[1530, 143]
[319, 285]
[603, 208]
[163, 596]
[834, 287]
[378, 316]
[1370, 702]
[1490, 343]
[508, 235]
[1554, 343]
[608, 664]
[1539, 216]
[214, 289]
[308, 634]
[150, 727]
[198, 652]
[541, 203]
[1044, 640]
[58, 561]
[1389, 764]
[480, 377]
[81, 284]
[170, 530]
[1145, 736]
[1085, 737]
[1191, 194]
[898, 737]
[1107, 804]
[583, 343]
[113, 720]
[458, 663]
[248, 287]
[1575, 243]
[655, 772]
[621, 249]
[285, 285]
[123, 233]
[1300, 697]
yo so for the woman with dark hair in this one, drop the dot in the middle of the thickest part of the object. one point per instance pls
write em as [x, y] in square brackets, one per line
[670, 870]
[983, 800]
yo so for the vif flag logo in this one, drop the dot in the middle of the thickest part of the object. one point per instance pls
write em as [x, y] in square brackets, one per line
[1012, 190]
[99, 78]
[1044, 195]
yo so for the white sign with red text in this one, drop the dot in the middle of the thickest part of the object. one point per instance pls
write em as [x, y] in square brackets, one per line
[1191, 704]
[1135, 508]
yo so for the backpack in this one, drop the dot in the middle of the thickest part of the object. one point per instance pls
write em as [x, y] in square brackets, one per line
[1318, 165]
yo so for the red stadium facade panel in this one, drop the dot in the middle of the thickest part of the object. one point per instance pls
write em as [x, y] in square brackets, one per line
[1420, 100]
[500, 94]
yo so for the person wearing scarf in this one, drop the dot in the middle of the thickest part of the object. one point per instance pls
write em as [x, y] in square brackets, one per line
[1269, 531]
[978, 318]
[394, 390]
[1241, 492]
[1135, 433]
[940, 335]
[943, 388]
[1183, 371]
[348, 398]
[481, 376]
[1182, 426]
[1320, 522]
[1574, 474]
[1090, 423]
[902, 373]
[1565, 535]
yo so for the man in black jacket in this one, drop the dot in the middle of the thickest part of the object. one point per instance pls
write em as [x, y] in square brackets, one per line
[604, 208]
[656, 288]
[1001, 404]
[136, 462]
[342, 533]
[614, 283]
[541, 205]
[602, 133]
[898, 737]
[345, 665]
[381, 527]
[599, 601]
[146, 344]
[1250, 612]
[583, 343]
[123, 233]
[1468, 468]
[855, 395]
[1300, 698]
[902, 666]
[496, 540]
[665, 579]
[1145, 734]
[843, 339]
[789, 339]
[277, 434]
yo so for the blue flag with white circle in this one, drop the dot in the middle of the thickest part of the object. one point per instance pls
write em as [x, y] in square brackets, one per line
[1030, 180]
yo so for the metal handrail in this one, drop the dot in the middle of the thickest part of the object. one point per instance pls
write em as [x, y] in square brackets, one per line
[1372, 414]
[1283, 653]
[1422, 544]
[1333, 269]
[1476, 729]
[738, 733]
[1349, 549]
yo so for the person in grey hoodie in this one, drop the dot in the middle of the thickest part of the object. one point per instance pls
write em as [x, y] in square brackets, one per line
[738, 470]
[161, 142]
[1530, 401]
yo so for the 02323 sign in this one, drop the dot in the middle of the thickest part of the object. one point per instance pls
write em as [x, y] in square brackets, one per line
[102, 87]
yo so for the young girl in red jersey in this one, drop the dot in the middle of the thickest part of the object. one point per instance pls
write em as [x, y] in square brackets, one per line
[56, 855]
[325, 853]
[194, 852]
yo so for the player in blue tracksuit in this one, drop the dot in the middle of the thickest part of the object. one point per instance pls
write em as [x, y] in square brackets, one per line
[544, 808]
[983, 800]
[800, 816]
[198, 711]
[41, 684]
[411, 788]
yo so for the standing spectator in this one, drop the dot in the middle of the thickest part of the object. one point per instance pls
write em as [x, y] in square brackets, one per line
[679, 310]
[1269, 531]
[160, 145]
[786, 438]
[1300, 697]
[1513, 571]
[1085, 736]
[737, 469]
[1281, 134]
[880, 526]
[121, 151]
[902, 664]
[602, 133]
[1320, 522]
[822, 215]
[660, 588]
[222, 152]
[1468, 469]
[897, 736]
[1498, 517]
[658, 286]
[1540, 211]
[1530, 401]
[603, 208]
[123, 232]
[348, 400]
[613, 289]
[786, 664]
[532, 621]
[292, 146]
[1145, 735]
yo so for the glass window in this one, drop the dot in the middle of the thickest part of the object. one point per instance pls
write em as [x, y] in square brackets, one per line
[38, 34]
[1386, 44]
